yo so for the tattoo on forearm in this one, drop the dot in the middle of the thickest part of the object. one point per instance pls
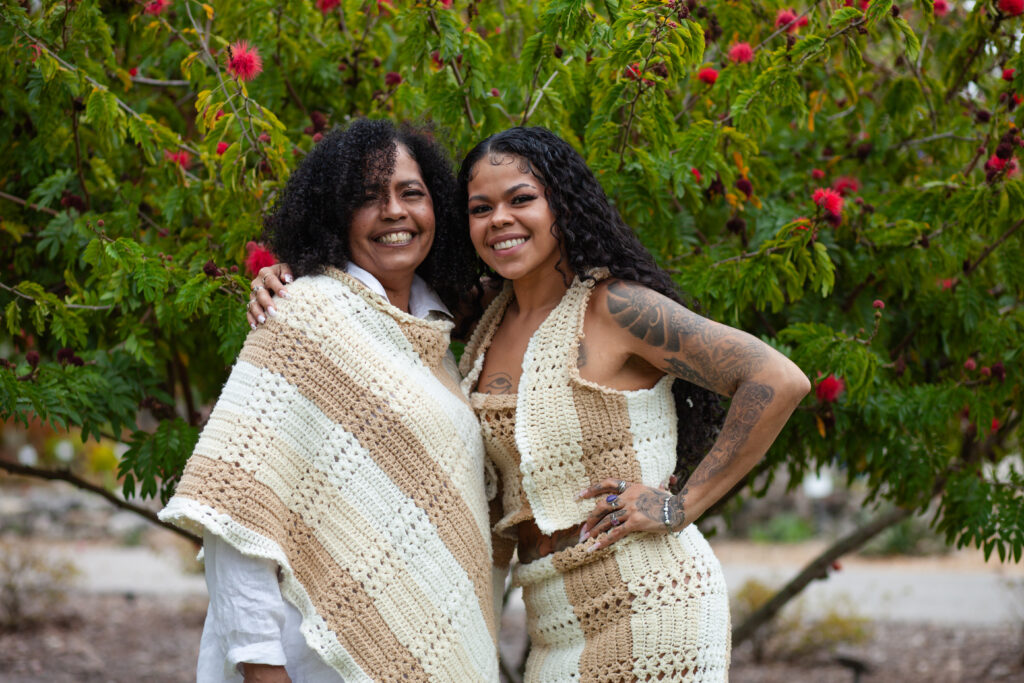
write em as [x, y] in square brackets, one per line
[717, 358]
[748, 405]
[499, 383]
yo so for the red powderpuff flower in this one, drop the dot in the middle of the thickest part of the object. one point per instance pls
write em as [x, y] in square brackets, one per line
[941, 8]
[946, 283]
[879, 304]
[829, 388]
[495, 92]
[817, 173]
[741, 53]
[831, 200]
[156, 7]
[1012, 7]
[802, 20]
[244, 62]
[996, 425]
[845, 185]
[696, 175]
[258, 258]
[326, 6]
[1008, 74]
[970, 364]
[708, 75]
[181, 158]
[787, 18]
[221, 148]
[133, 72]
[994, 163]
[632, 72]
[393, 78]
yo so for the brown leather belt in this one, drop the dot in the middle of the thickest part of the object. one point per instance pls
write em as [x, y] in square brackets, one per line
[535, 544]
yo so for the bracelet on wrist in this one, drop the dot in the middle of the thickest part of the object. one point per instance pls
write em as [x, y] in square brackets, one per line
[664, 514]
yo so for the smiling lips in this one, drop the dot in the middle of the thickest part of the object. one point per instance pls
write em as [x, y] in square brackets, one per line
[394, 238]
[508, 244]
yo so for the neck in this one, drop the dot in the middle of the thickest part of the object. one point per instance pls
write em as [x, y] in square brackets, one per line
[398, 289]
[542, 289]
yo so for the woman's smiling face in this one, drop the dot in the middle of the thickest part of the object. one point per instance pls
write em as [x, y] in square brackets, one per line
[510, 222]
[392, 232]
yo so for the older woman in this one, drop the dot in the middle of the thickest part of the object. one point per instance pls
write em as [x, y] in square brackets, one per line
[339, 481]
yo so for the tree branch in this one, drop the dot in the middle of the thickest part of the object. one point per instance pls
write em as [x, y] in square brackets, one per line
[35, 207]
[78, 482]
[85, 307]
[458, 74]
[992, 247]
[816, 569]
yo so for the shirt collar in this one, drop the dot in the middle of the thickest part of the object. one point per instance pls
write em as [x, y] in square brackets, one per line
[423, 300]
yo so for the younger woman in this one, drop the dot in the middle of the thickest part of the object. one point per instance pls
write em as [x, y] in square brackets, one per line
[571, 372]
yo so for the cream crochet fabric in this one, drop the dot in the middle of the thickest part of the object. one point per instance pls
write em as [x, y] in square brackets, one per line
[342, 449]
[651, 607]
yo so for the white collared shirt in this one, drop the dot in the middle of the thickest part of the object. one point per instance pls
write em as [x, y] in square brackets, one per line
[248, 620]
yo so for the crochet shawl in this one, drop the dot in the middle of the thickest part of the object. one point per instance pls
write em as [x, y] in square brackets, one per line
[342, 449]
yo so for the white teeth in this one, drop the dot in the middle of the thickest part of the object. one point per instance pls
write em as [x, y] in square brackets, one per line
[394, 238]
[508, 244]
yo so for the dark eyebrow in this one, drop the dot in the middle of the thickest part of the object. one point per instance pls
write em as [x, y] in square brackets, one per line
[511, 190]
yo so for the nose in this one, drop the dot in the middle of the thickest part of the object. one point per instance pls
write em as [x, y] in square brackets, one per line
[501, 215]
[393, 209]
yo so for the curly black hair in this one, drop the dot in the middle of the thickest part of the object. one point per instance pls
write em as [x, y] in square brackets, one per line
[592, 235]
[308, 226]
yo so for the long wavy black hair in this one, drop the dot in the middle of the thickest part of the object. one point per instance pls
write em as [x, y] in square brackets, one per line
[592, 234]
[308, 226]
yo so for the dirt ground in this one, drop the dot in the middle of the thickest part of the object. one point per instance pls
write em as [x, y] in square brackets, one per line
[125, 638]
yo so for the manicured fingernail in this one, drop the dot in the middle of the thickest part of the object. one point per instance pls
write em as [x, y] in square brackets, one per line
[272, 311]
[580, 494]
[261, 318]
[287, 278]
[252, 325]
[284, 295]
[583, 535]
[593, 547]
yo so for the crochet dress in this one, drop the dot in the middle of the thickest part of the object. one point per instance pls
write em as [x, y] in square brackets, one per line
[652, 606]
[343, 449]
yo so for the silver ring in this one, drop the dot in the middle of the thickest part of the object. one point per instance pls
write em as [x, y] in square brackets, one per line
[622, 487]
[264, 278]
[615, 518]
[257, 288]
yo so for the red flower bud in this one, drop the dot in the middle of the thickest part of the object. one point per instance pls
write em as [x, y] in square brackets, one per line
[495, 92]
[970, 365]
[999, 371]
[317, 137]
[829, 389]
[32, 358]
[696, 175]
[817, 173]
[1008, 74]
[1012, 7]
[744, 186]
[221, 148]
[133, 72]
[211, 269]
[787, 18]
[393, 78]
[707, 75]
[995, 425]
[632, 72]
[986, 370]
[879, 304]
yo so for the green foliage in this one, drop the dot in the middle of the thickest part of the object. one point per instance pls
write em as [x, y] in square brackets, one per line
[119, 186]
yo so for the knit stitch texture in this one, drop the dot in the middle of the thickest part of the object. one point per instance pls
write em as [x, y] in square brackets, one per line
[342, 448]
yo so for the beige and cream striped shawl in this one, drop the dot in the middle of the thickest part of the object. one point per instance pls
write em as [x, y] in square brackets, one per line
[342, 449]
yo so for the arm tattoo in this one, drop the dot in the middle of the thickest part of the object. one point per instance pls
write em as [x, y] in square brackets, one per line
[717, 357]
[651, 505]
[499, 383]
[748, 405]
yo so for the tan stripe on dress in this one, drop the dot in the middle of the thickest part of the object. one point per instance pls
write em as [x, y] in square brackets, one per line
[348, 611]
[607, 440]
[392, 446]
[602, 603]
